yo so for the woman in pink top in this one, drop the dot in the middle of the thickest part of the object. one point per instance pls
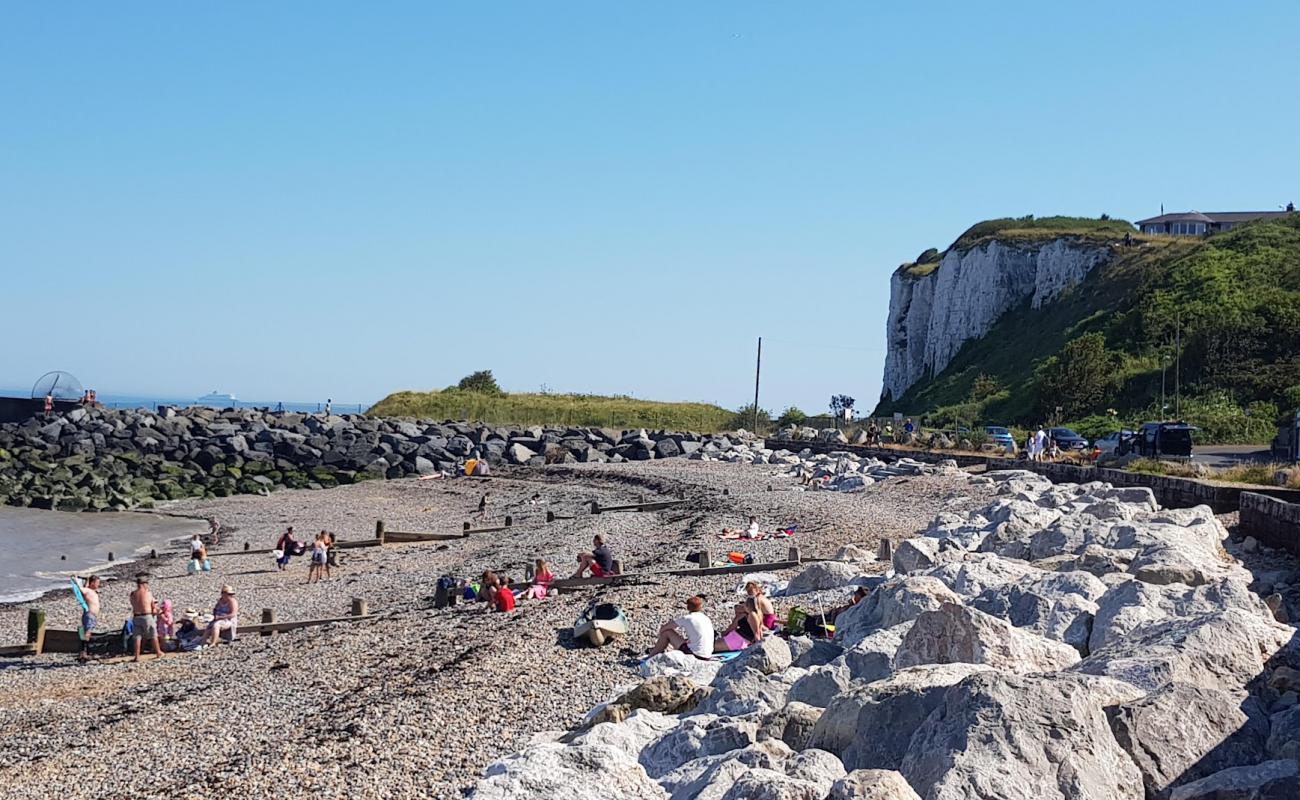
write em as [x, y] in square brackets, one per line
[542, 578]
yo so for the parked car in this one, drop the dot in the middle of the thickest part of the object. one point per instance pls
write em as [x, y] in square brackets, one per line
[1001, 437]
[1162, 440]
[1111, 443]
[1067, 439]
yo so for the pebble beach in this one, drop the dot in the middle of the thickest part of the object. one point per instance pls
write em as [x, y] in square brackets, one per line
[415, 701]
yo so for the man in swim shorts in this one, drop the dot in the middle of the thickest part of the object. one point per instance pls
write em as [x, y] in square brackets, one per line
[144, 616]
[90, 616]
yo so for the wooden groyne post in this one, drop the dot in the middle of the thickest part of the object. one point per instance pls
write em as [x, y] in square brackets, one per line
[379, 530]
[36, 629]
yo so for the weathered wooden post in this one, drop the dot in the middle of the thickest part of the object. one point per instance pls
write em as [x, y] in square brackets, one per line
[247, 546]
[359, 607]
[725, 491]
[595, 507]
[379, 530]
[885, 552]
[509, 521]
[36, 629]
[529, 571]
[703, 558]
[268, 618]
[793, 555]
[465, 528]
[110, 555]
[618, 567]
[440, 595]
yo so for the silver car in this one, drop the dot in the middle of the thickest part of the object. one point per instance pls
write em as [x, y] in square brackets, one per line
[1109, 443]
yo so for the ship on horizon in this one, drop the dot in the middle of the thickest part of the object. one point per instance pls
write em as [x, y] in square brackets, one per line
[217, 399]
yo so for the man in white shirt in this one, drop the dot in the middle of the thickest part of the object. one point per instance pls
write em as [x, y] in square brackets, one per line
[691, 633]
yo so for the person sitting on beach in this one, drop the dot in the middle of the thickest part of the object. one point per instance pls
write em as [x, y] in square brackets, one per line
[287, 545]
[752, 532]
[745, 629]
[89, 616]
[319, 555]
[535, 500]
[144, 620]
[691, 633]
[504, 600]
[225, 616]
[541, 583]
[765, 608]
[188, 635]
[488, 586]
[600, 560]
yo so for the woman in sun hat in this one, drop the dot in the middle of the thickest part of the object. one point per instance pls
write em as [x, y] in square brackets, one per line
[225, 616]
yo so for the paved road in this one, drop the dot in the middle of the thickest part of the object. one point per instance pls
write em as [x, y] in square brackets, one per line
[1225, 455]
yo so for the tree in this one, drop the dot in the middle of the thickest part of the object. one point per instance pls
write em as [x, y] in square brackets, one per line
[1080, 379]
[791, 416]
[744, 418]
[481, 382]
[841, 405]
[985, 386]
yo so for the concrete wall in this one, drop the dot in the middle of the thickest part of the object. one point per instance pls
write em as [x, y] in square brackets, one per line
[1274, 522]
[1171, 492]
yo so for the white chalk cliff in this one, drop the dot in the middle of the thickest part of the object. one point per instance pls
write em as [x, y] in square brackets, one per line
[932, 316]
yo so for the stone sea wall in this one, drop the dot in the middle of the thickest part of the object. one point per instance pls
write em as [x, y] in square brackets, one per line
[106, 459]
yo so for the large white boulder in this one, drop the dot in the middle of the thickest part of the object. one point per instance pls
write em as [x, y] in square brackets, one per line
[822, 575]
[869, 726]
[955, 634]
[676, 663]
[695, 737]
[821, 684]
[1271, 780]
[872, 658]
[872, 784]
[575, 772]
[1181, 733]
[1132, 603]
[1021, 737]
[632, 734]
[894, 602]
[1224, 650]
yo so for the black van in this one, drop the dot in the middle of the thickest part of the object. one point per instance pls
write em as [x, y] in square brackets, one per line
[1161, 440]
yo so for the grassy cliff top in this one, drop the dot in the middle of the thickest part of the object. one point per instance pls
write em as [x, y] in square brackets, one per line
[554, 409]
[1022, 229]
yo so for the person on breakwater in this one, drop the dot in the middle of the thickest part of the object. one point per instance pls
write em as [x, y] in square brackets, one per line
[691, 633]
[144, 619]
[225, 616]
[765, 607]
[745, 629]
[600, 560]
[90, 616]
[49, 404]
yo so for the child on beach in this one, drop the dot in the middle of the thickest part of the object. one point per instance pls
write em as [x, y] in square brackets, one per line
[505, 598]
[542, 577]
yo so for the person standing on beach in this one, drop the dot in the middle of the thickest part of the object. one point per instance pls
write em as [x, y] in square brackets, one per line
[214, 531]
[286, 546]
[90, 616]
[49, 404]
[483, 505]
[319, 555]
[144, 619]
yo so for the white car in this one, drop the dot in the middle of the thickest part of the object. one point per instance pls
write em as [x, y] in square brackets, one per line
[1109, 443]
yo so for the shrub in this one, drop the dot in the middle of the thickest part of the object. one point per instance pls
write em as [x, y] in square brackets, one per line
[744, 418]
[791, 416]
[480, 382]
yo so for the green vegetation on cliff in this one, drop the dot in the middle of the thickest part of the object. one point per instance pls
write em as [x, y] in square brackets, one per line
[555, 409]
[1221, 315]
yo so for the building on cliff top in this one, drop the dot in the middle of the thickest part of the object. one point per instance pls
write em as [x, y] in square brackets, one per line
[1195, 223]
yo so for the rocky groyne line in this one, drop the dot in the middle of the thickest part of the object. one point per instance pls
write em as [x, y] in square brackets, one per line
[105, 459]
[1062, 642]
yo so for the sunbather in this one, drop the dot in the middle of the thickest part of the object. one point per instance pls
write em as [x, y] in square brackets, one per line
[225, 616]
[765, 607]
[691, 633]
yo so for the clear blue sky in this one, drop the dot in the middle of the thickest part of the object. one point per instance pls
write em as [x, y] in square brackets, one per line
[296, 200]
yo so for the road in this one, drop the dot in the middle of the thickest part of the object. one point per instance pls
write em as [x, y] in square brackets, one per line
[1225, 455]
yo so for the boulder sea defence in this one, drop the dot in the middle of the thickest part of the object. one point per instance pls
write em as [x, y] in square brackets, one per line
[101, 459]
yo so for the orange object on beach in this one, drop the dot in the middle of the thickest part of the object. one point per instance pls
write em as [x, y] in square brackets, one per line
[470, 464]
[736, 558]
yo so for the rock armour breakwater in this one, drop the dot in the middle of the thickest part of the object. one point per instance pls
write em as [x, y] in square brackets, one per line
[107, 459]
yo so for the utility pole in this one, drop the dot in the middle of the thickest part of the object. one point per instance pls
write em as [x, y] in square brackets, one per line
[758, 370]
[1178, 362]
[1162, 382]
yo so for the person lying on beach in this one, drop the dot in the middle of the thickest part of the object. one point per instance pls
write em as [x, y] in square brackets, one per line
[752, 532]
[225, 616]
[691, 633]
[745, 629]
[600, 560]
[144, 620]
[541, 584]
[90, 616]
[816, 624]
[765, 607]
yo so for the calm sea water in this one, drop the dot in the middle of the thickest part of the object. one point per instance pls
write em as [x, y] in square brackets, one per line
[32, 541]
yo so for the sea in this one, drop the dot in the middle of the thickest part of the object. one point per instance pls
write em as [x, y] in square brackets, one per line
[41, 550]
[151, 402]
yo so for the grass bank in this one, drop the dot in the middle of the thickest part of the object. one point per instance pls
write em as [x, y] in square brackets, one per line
[555, 409]
[1258, 474]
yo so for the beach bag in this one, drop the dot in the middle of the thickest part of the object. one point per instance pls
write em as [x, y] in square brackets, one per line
[207, 565]
[470, 593]
[276, 555]
[193, 566]
[794, 622]
[736, 558]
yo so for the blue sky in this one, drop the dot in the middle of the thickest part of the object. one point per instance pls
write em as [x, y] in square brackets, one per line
[297, 200]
